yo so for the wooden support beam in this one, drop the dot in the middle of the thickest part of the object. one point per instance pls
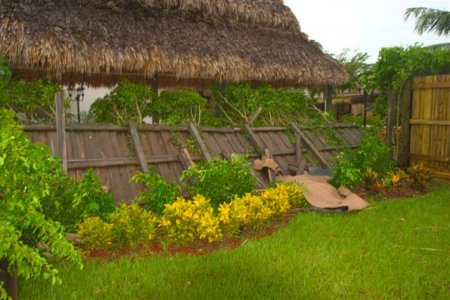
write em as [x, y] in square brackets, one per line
[122, 161]
[332, 148]
[138, 146]
[299, 161]
[185, 158]
[390, 118]
[311, 146]
[260, 148]
[405, 138]
[429, 157]
[429, 122]
[61, 129]
[198, 138]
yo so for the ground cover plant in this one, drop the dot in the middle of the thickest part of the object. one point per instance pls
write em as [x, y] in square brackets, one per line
[396, 249]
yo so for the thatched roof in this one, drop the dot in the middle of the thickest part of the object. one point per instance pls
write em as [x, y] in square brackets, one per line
[101, 40]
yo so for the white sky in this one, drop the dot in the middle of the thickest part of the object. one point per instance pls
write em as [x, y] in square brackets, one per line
[364, 25]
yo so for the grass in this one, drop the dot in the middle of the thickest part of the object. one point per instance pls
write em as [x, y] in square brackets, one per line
[395, 249]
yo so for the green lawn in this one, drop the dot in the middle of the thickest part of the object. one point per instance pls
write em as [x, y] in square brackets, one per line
[395, 249]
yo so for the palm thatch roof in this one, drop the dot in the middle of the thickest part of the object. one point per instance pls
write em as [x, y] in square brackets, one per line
[100, 41]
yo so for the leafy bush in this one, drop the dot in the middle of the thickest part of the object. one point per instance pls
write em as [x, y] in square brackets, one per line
[283, 197]
[95, 234]
[128, 101]
[27, 176]
[184, 107]
[251, 211]
[239, 103]
[352, 166]
[187, 220]
[77, 200]
[133, 226]
[419, 175]
[219, 179]
[158, 192]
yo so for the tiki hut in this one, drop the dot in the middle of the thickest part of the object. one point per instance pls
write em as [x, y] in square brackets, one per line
[100, 41]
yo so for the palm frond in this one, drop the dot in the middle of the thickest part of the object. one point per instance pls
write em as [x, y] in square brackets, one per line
[430, 20]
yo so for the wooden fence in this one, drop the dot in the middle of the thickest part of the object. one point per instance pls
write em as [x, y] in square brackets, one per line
[426, 123]
[117, 153]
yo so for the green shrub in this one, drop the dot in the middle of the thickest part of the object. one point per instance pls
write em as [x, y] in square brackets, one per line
[28, 173]
[95, 234]
[183, 107]
[158, 192]
[133, 226]
[219, 179]
[77, 200]
[372, 154]
[127, 101]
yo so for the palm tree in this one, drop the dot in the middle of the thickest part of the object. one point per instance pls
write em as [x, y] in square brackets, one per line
[429, 19]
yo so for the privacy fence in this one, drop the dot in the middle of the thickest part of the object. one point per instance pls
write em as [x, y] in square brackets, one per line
[426, 123]
[117, 153]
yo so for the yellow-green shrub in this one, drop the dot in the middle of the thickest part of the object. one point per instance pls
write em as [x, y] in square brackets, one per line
[95, 234]
[277, 199]
[250, 210]
[133, 226]
[295, 192]
[187, 220]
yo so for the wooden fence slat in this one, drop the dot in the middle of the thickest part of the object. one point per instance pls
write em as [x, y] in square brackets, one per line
[138, 146]
[200, 142]
[310, 145]
[254, 140]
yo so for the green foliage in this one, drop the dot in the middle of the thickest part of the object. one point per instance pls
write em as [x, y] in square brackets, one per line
[127, 101]
[397, 65]
[371, 120]
[133, 226]
[158, 192]
[95, 234]
[264, 105]
[219, 179]
[78, 200]
[27, 175]
[353, 165]
[33, 100]
[356, 66]
[183, 107]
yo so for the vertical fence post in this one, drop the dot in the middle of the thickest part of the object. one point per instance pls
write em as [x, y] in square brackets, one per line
[390, 117]
[403, 155]
[61, 129]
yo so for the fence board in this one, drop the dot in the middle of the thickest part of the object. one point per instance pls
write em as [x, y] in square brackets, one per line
[430, 124]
